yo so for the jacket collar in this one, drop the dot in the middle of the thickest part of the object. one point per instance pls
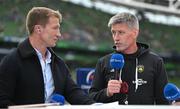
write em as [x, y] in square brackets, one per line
[26, 50]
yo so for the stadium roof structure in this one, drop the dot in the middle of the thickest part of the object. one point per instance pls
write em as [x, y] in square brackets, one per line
[156, 11]
[168, 7]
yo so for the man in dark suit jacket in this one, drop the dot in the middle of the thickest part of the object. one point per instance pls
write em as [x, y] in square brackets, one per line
[32, 72]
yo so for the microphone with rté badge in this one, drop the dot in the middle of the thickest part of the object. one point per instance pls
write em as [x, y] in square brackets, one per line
[57, 98]
[171, 92]
[117, 63]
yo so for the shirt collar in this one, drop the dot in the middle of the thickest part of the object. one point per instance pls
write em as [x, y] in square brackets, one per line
[48, 55]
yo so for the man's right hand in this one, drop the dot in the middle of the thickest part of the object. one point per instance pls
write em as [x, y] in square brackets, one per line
[113, 87]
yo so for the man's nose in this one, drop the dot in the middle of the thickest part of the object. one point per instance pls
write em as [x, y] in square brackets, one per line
[59, 35]
[116, 36]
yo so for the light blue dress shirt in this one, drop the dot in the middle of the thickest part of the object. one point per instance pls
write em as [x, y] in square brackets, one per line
[47, 74]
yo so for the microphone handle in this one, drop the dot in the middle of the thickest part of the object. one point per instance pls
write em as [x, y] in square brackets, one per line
[117, 76]
[120, 72]
[126, 99]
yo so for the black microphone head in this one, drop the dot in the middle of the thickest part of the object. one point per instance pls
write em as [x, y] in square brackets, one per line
[171, 92]
[117, 61]
[57, 98]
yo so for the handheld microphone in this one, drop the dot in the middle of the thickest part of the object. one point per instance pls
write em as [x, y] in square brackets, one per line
[117, 63]
[171, 92]
[57, 98]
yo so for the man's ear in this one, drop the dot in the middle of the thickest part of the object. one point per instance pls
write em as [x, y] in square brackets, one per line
[37, 28]
[135, 33]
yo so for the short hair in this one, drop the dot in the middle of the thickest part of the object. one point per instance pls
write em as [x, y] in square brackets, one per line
[40, 16]
[127, 18]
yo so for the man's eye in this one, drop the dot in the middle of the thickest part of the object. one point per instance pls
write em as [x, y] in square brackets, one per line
[113, 32]
[121, 32]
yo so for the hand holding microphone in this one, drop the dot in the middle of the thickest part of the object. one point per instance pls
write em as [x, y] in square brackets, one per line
[117, 63]
[117, 86]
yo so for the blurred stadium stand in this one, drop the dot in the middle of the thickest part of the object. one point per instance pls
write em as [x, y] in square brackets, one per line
[85, 30]
[174, 57]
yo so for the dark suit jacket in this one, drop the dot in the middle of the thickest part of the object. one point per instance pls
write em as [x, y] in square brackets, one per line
[21, 79]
